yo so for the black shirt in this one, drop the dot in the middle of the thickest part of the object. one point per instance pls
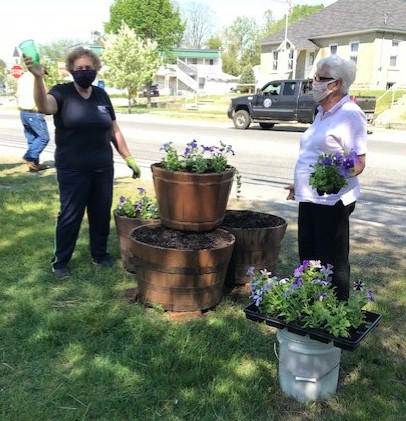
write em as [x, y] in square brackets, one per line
[82, 129]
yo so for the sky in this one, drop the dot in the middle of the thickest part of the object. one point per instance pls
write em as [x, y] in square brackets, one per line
[46, 21]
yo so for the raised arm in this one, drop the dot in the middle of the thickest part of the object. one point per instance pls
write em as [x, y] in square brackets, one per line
[45, 103]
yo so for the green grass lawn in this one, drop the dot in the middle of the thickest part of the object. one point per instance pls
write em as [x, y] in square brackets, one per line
[81, 349]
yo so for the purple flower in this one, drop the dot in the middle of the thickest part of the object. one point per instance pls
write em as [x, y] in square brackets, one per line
[250, 270]
[166, 146]
[370, 296]
[230, 149]
[122, 200]
[326, 161]
[327, 271]
[256, 294]
[358, 285]
[320, 296]
[141, 190]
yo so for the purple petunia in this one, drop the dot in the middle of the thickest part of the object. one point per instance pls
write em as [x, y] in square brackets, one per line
[358, 285]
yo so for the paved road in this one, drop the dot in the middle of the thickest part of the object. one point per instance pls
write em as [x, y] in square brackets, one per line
[264, 158]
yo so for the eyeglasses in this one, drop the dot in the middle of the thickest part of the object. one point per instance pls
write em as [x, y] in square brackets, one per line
[318, 78]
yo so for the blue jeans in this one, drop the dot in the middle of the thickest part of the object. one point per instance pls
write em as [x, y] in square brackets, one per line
[36, 133]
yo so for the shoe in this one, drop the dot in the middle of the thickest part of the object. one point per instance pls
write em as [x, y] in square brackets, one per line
[33, 167]
[61, 272]
[107, 262]
[39, 167]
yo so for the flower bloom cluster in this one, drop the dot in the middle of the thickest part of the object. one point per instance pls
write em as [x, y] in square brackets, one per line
[308, 298]
[332, 170]
[145, 207]
[196, 158]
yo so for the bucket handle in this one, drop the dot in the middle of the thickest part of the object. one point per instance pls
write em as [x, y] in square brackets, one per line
[304, 379]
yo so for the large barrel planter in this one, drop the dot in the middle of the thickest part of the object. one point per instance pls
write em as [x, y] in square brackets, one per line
[189, 201]
[181, 271]
[258, 238]
[124, 226]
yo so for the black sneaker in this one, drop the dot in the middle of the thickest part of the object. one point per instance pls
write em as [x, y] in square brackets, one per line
[61, 272]
[107, 262]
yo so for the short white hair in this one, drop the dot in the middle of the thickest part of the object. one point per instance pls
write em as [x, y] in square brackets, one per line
[339, 68]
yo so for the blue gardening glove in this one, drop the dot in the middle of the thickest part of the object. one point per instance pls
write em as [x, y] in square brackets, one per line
[133, 165]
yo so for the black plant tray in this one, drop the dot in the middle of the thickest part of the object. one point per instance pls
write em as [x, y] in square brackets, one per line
[349, 344]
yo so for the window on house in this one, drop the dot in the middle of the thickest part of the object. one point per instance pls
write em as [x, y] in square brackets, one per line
[211, 62]
[311, 59]
[354, 51]
[194, 60]
[333, 48]
[274, 60]
[394, 54]
[290, 59]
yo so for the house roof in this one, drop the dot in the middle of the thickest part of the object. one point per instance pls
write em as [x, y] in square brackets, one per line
[345, 17]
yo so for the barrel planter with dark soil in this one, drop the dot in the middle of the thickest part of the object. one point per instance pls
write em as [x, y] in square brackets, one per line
[258, 238]
[179, 270]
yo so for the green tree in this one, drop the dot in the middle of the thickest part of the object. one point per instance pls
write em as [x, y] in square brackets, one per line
[57, 50]
[129, 61]
[2, 75]
[241, 46]
[156, 20]
[247, 76]
[215, 42]
[53, 77]
[298, 12]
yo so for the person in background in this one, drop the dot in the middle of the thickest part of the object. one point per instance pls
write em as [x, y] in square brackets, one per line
[35, 126]
[85, 128]
[323, 221]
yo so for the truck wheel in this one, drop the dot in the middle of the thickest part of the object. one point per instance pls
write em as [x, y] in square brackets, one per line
[242, 119]
[266, 126]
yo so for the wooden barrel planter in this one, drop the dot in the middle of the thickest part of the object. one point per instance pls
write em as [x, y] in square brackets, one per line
[189, 201]
[258, 238]
[124, 226]
[181, 271]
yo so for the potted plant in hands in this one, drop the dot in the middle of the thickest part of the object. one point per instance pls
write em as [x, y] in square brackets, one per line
[313, 325]
[192, 188]
[130, 214]
[331, 171]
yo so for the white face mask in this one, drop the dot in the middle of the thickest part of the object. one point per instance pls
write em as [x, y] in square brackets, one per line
[321, 90]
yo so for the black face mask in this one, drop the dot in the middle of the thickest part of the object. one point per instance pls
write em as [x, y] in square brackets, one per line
[84, 78]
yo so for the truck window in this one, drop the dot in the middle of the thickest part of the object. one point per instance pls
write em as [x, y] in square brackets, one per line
[289, 88]
[272, 89]
[307, 87]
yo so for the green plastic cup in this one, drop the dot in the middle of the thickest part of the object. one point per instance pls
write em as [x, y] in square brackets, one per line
[29, 49]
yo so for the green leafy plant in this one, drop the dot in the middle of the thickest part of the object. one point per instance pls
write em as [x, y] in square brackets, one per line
[332, 170]
[196, 158]
[145, 207]
[308, 298]
[199, 159]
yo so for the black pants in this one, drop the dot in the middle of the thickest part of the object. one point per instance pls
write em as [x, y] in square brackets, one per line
[324, 235]
[80, 191]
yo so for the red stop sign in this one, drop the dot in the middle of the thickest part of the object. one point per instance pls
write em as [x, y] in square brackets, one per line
[16, 71]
